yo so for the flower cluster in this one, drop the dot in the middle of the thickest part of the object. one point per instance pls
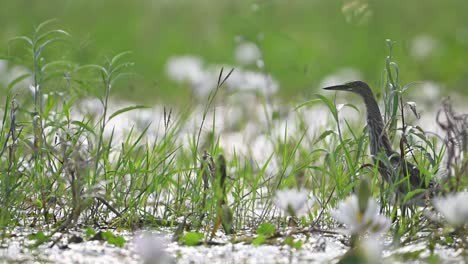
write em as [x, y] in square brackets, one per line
[203, 78]
[359, 221]
[293, 201]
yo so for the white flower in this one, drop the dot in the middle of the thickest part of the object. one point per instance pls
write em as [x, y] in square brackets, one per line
[423, 46]
[16, 72]
[3, 68]
[247, 53]
[431, 89]
[185, 69]
[372, 249]
[293, 200]
[454, 207]
[189, 69]
[261, 82]
[348, 213]
[151, 249]
[253, 81]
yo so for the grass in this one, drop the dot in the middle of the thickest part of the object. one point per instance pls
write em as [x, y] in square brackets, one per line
[302, 41]
[60, 170]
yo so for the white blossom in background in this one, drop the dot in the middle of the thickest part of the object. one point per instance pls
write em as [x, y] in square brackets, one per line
[372, 248]
[152, 249]
[185, 69]
[4, 72]
[423, 46]
[16, 72]
[7, 75]
[202, 80]
[247, 53]
[341, 76]
[292, 199]
[3, 69]
[260, 82]
[189, 69]
[88, 106]
[251, 81]
[262, 146]
[429, 91]
[203, 87]
[454, 207]
[348, 213]
[235, 80]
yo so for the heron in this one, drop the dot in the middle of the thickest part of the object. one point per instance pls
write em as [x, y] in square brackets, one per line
[392, 166]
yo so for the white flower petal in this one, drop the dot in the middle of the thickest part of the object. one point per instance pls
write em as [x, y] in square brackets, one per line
[453, 207]
[297, 200]
[349, 214]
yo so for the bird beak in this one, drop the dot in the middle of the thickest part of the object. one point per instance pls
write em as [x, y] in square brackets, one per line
[341, 87]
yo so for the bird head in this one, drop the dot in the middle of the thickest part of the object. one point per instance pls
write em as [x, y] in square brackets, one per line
[358, 87]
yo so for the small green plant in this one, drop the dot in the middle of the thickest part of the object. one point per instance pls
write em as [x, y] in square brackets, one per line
[90, 232]
[291, 242]
[113, 239]
[266, 229]
[259, 240]
[263, 232]
[39, 237]
[192, 238]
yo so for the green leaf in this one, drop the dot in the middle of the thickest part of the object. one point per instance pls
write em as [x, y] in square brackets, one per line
[266, 229]
[191, 238]
[47, 43]
[412, 255]
[118, 241]
[112, 239]
[38, 203]
[298, 244]
[107, 235]
[294, 244]
[90, 232]
[331, 106]
[118, 56]
[17, 80]
[125, 109]
[24, 38]
[259, 240]
[275, 115]
[45, 23]
[84, 126]
[56, 31]
[58, 63]
[353, 107]
[119, 67]
[324, 135]
[433, 259]
[412, 193]
[310, 102]
[93, 66]
[40, 237]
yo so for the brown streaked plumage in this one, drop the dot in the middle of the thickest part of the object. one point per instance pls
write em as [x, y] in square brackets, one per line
[392, 167]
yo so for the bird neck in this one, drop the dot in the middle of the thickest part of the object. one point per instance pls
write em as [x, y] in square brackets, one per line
[378, 136]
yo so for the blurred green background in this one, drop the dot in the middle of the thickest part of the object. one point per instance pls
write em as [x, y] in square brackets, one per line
[301, 41]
